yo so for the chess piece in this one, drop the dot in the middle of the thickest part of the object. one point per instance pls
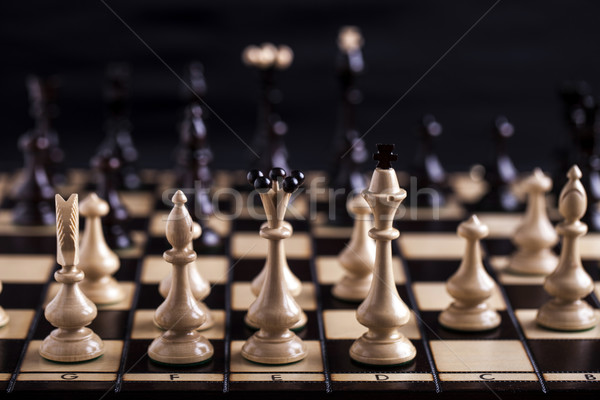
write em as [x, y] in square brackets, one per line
[292, 283]
[569, 283]
[4, 318]
[358, 257]
[470, 286]
[35, 192]
[97, 261]
[501, 174]
[383, 311]
[70, 311]
[200, 287]
[106, 166]
[275, 311]
[194, 172]
[179, 315]
[118, 138]
[268, 140]
[535, 236]
[431, 181]
[351, 150]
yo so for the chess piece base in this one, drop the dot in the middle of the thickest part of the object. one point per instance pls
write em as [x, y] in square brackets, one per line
[567, 316]
[471, 319]
[298, 326]
[394, 350]
[180, 349]
[103, 291]
[285, 349]
[353, 289]
[4, 318]
[533, 263]
[72, 345]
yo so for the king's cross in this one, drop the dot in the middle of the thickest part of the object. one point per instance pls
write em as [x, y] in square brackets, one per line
[384, 156]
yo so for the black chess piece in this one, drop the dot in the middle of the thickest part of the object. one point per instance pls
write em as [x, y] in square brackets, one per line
[351, 152]
[501, 173]
[118, 126]
[587, 129]
[268, 142]
[34, 197]
[106, 166]
[43, 94]
[428, 170]
[195, 156]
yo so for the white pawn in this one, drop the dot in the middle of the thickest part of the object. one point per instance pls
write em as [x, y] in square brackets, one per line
[358, 256]
[535, 236]
[470, 286]
[179, 315]
[96, 259]
[200, 286]
[569, 283]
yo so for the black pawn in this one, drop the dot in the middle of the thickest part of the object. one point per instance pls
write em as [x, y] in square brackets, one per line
[118, 138]
[35, 196]
[501, 173]
[428, 170]
[116, 223]
[194, 161]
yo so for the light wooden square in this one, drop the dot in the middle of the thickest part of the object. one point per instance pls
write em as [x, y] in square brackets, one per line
[144, 328]
[342, 324]
[330, 271]
[16, 268]
[433, 296]
[532, 330]
[589, 246]
[158, 224]
[139, 204]
[125, 304]
[336, 232]
[480, 355]
[242, 297]
[467, 186]
[18, 326]
[109, 362]
[501, 264]
[452, 210]
[432, 246]
[251, 245]
[312, 363]
[213, 268]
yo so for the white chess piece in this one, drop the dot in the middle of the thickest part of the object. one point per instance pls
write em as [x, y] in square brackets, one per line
[70, 311]
[535, 236]
[569, 283]
[96, 259]
[470, 286]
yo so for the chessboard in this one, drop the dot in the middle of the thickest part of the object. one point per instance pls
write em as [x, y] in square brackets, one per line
[516, 360]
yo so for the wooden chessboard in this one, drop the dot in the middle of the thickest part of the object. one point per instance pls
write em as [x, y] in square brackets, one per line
[516, 360]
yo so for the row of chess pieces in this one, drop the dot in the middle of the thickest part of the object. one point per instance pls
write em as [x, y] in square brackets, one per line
[85, 276]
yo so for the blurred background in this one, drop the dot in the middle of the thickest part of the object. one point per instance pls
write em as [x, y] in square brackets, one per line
[512, 63]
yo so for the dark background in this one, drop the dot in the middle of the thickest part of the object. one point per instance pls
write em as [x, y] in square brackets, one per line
[511, 63]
